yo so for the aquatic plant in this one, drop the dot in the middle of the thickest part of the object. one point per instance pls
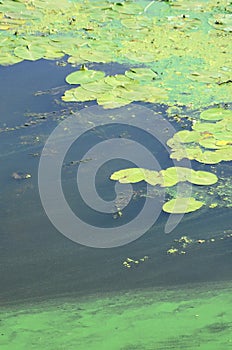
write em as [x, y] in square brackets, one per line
[165, 178]
[168, 178]
[182, 205]
[113, 91]
[209, 141]
[184, 47]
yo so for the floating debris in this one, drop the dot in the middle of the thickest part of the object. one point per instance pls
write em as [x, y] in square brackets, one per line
[18, 175]
[129, 262]
[172, 251]
[184, 242]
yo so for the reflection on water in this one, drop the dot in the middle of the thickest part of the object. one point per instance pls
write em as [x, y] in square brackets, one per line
[39, 262]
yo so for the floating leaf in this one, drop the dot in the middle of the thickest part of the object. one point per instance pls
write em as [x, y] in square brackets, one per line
[224, 154]
[182, 205]
[117, 80]
[78, 95]
[209, 143]
[30, 52]
[99, 86]
[84, 76]
[215, 114]
[143, 75]
[130, 175]
[186, 136]
[111, 100]
[165, 178]
[202, 178]
[207, 127]
[209, 157]
[152, 177]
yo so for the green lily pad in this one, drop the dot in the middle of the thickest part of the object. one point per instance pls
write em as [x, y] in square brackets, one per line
[99, 86]
[152, 177]
[143, 75]
[186, 136]
[207, 127]
[186, 152]
[171, 176]
[84, 76]
[202, 178]
[209, 143]
[117, 80]
[209, 157]
[111, 100]
[224, 154]
[30, 52]
[126, 176]
[165, 178]
[215, 114]
[182, 205]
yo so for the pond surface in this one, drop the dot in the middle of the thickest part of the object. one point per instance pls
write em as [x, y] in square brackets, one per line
[38, 263]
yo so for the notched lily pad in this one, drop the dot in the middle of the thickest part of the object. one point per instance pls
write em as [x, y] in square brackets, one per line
[84, 76]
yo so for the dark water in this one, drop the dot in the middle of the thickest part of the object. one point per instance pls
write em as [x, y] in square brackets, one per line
[39, 262]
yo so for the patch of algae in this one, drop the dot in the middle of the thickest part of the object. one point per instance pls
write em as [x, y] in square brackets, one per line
[188, 45]
[192, 318]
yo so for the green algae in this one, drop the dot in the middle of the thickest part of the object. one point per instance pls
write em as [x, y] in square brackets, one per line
[186, 46]
[191, 317]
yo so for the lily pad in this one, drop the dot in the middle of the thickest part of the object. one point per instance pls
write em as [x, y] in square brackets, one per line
[186, 136]
[143, 75]
[84, 76]
[215, 114]
[152, 177]
[182, 205]
[202, 178]
[131, 175]
[209, 157]
[30, 52]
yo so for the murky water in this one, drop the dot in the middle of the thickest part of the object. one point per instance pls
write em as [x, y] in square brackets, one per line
[37, 262]
[40, 262]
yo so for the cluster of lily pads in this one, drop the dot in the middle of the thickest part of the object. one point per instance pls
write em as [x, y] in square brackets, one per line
[167, 178]
[186, 43]
[114, 90]
[209, 141]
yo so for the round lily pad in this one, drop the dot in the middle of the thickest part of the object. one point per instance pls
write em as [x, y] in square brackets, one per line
[182, 205]
[208, 128]
[215, 114]
[84, 76]
[202, 178]
[30, 52]
[186, 136]
[131, 175]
